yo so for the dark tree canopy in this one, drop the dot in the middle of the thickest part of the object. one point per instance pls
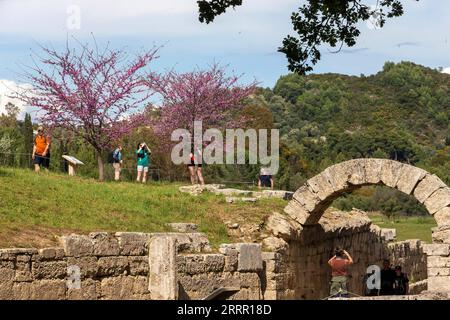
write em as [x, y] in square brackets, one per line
[317, 22]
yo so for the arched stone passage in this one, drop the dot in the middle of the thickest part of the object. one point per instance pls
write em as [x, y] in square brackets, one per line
[310, 201]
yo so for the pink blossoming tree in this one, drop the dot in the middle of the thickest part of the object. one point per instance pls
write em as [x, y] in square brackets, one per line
[210, 96]
[99, 96]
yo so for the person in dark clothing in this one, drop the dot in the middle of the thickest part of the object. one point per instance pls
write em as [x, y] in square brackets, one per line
[401, 282]
[387, 279]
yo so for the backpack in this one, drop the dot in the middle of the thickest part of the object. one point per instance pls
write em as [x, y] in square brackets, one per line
[112, 157]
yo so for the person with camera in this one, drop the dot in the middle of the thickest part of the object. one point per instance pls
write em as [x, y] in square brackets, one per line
[339, 264]
[143, 160]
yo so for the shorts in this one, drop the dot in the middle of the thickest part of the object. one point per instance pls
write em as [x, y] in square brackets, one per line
[193, 164]
[42, 161]
[142, 168]
[265, 181]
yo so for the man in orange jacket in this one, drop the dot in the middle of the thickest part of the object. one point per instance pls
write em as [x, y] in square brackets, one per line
[41, 151]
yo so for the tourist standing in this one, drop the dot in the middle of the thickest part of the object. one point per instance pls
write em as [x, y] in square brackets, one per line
[41, 150]
[265, 180]
[143, 161]
[195, 166]
[387, 279]
[339, 264]
[401, 282]
[117, 162]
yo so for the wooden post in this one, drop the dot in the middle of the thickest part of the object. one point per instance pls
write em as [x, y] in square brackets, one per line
[72, 169]
[73, 163]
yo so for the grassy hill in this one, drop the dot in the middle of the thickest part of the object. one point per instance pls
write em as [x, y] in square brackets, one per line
[36, 208]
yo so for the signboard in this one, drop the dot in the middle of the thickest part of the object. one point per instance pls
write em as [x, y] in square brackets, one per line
[72, 160]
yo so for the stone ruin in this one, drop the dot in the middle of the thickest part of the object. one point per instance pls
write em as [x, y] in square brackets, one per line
[289, 263]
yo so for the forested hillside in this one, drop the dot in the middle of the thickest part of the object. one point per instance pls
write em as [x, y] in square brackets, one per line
[400, 113]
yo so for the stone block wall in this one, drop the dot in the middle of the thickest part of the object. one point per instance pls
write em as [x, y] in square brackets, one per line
[236, 267]
[299, 269]
[438, 267]
[98, 266]
[129, 265]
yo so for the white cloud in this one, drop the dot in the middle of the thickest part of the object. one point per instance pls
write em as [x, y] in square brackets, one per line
[446, 70]
[7, 89]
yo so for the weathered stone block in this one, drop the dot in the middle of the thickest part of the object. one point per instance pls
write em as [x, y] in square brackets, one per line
[427, 186]
[6, 274]
[49, 290]
[391, 172]
[441, 234]
[438, 200]
[195, 264]
[104, 244]
[133, 243]
[88, 266]
[388, 234]
[438, 262]
[123, 288]
[250, 258]
[355, 170]
[409, 177]
[231, 262]
[23, 271]
[89, 290]
[77, 245]
[199, 242]
[162, 268]
[250, 280]
[214, 262]
[297, 211]
[321, 186]
[49, 269]
[373, 169]
[436, 249]
[337, 176]
[438, 272]
[50, 253]
[441, 284]
[138, 265]
[112, 266]
[275, 244]
[280, 226]
[22, 291]
[442, 217]
[308, 199]
[270, 256]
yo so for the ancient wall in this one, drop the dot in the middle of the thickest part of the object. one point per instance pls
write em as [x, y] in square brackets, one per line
[129, 265]
[288, 265]
[300, 271]
[237, 268]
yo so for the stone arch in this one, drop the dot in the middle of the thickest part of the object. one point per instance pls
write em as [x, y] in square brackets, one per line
[310, 201]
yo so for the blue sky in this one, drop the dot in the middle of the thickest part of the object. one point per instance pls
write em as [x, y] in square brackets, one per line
[246, 39]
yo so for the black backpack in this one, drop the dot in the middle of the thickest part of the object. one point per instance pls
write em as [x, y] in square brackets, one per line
[111, 157]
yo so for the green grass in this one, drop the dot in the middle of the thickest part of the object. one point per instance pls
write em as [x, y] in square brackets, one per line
[416, 227]
[35, 208]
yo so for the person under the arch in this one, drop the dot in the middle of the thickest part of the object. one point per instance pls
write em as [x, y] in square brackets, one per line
[339, 264]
